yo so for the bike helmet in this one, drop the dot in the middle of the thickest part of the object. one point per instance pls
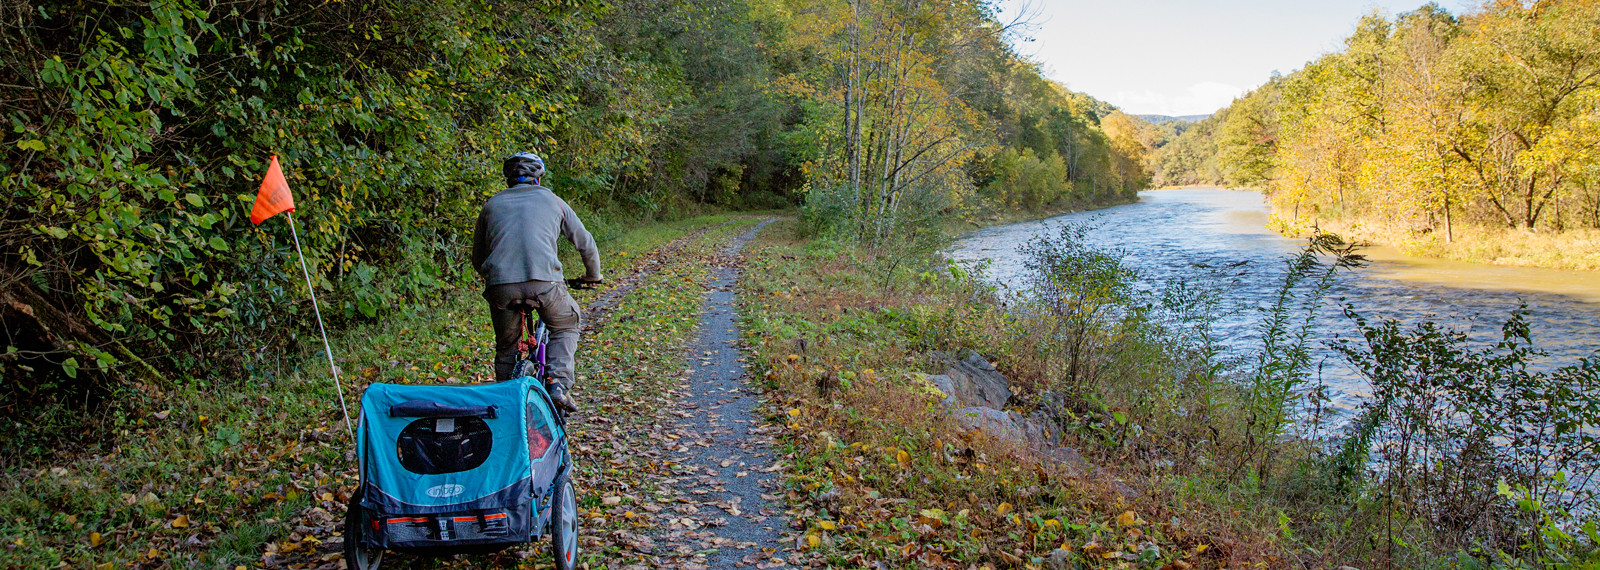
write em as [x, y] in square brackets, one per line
[523, 167]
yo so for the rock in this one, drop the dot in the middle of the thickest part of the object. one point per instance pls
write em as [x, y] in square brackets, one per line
[974, 381]
[1067, 457]
[945, 386]
[1058, 559]
[989, 420]
[1039, 430]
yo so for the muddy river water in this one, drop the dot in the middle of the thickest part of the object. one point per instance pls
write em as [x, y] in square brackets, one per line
[1195, 232]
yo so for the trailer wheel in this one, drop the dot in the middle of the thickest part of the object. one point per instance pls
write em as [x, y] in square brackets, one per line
[564, 526]
[356, 555]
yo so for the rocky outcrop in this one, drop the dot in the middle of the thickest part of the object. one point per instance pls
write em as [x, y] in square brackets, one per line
[974, 380]
[976, 394]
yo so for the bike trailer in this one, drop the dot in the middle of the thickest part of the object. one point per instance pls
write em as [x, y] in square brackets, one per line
[456, 469]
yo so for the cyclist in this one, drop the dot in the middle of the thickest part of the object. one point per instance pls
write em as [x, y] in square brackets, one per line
[514, 250]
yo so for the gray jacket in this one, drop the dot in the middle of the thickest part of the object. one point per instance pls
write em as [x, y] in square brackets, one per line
[516, 237]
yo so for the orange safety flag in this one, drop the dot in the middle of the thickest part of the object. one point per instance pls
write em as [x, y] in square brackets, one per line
[274, 197]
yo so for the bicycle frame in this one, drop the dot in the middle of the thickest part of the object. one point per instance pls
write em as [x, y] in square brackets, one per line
[532, 346]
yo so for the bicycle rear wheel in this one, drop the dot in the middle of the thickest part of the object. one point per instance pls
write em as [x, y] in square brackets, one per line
[523, 367]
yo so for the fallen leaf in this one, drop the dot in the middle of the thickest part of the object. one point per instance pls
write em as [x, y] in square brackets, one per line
[1003, 509]
[1127, 518]
[181, 522]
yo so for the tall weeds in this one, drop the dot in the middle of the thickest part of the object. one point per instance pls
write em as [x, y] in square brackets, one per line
[1478, 446]
[1283, 364]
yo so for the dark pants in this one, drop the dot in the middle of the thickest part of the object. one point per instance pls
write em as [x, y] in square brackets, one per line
[555, 307]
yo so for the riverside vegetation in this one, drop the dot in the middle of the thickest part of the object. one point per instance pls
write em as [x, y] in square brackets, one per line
[182, 421]
[1466, 136]
[1468, 455]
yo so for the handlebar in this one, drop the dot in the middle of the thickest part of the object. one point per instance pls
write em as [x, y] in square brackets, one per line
[581, 284]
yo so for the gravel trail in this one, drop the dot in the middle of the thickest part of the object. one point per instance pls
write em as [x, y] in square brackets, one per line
[731, 467]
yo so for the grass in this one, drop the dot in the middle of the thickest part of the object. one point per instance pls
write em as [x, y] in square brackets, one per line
[211, 471]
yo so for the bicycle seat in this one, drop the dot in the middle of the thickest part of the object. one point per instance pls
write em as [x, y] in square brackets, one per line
[523, 305]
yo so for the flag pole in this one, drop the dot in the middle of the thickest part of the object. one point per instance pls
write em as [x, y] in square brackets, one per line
[327, 349]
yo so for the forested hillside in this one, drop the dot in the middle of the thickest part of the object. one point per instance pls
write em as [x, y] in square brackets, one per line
[1426, 128]
[138, 134]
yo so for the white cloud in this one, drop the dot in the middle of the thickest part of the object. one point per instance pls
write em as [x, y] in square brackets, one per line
[1198, 99]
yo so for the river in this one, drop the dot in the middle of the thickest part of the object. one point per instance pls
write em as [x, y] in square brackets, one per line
[1194, 232]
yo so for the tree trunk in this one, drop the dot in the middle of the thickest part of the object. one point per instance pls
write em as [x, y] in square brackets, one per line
[1449, 233]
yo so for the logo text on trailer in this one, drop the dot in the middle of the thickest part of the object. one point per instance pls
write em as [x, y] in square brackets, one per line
[447, 490]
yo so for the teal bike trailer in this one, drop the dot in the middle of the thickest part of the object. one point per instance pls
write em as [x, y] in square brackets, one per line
[447, 469]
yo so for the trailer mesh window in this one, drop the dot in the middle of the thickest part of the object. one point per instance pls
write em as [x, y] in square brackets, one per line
[434, 446]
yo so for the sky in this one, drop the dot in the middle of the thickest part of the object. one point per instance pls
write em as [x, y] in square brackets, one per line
[1185, 57]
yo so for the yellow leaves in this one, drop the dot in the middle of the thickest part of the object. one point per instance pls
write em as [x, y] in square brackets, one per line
[181, 522]
[793, 357]
[327, 497]
[813, 541]
[903, 458]
[95, 539]
[1127, 518]
[1003, 509]
[794, 412]
[826, 525]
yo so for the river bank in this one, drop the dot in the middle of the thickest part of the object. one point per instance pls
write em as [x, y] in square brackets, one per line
[884, 476]
[1221, 236]
[1183, 299]
[1577, 249]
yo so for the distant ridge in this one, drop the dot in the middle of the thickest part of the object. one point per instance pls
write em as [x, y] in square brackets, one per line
[1158, 119]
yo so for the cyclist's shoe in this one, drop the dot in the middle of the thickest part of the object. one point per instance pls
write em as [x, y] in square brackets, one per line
[558, 395]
